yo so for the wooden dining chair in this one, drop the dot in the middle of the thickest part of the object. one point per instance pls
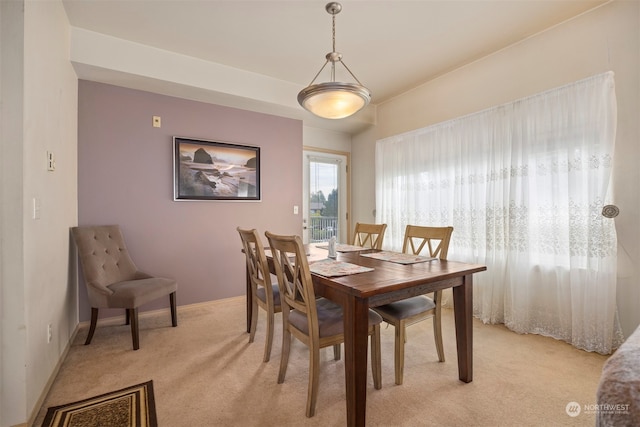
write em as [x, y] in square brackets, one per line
[369, 235]
[317, 323]
[412, 310]
[264, 293]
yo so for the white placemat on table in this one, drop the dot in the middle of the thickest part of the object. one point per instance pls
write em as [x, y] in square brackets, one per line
[398, 257]
[333, 268]
[342, 247]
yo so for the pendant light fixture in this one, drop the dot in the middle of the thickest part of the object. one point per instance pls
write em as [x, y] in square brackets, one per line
[334, 100]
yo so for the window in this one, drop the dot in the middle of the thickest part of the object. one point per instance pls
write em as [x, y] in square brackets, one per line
[523, 184]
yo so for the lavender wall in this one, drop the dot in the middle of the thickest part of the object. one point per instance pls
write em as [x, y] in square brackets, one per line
[125, 177]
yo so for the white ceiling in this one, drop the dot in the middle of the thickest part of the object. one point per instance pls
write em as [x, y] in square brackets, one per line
[391, 46]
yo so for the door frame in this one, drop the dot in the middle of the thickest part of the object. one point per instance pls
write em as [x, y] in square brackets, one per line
[305, 189]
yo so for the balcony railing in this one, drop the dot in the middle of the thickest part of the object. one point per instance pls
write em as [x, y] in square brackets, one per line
[322, 228]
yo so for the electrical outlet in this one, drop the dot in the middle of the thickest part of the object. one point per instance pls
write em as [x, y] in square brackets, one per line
[49, 332]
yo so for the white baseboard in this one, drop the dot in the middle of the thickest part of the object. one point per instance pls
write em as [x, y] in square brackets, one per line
[119, 320]
[52, 377]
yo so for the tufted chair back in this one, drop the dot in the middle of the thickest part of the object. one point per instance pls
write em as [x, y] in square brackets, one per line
[112, 279]
[105, 260]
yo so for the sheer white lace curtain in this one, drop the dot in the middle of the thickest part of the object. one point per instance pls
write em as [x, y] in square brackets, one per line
[523, 184]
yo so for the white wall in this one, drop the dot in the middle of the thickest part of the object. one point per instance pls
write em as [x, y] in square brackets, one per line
[326, 139]
[12, 309]
[607, 38]
[50, 124]
[36, 286]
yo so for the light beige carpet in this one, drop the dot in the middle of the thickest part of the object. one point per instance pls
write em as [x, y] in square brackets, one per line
[205, 373]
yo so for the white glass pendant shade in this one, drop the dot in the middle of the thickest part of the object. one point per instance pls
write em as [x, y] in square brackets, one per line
[334, 100]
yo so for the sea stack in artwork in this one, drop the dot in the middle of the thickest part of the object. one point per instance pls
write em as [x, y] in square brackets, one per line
[201, 156]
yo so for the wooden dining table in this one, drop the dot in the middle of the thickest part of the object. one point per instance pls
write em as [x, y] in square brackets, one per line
[388, 282]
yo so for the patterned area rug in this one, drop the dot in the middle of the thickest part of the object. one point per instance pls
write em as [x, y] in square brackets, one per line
[130, 407]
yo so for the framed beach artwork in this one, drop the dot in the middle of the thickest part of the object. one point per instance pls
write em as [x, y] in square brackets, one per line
[211, 170]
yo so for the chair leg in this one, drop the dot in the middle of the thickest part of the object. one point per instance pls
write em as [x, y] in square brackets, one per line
[336, 352]
[284, 356]
[399, 351]
[269, 341]
[174, 311]
[376, 358]
[127, 318]
[133, 314]
[437, 333]
[314, 378]
[92, 328]
[254, 319]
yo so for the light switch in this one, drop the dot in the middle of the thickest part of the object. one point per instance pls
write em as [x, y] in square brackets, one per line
[36, 208]
[51, 161]
[157, 121]
[295, 210]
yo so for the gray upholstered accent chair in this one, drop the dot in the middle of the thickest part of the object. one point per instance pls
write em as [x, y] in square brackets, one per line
[112, 279]
[412, 310]
[316, 322]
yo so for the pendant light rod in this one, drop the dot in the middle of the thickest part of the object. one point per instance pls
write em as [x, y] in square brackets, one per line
[333, 8]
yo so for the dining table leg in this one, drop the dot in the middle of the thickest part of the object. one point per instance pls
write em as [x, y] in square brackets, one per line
[463, 315]
[356, 334]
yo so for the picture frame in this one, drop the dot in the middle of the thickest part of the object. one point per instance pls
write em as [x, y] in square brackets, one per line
[214, 170]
